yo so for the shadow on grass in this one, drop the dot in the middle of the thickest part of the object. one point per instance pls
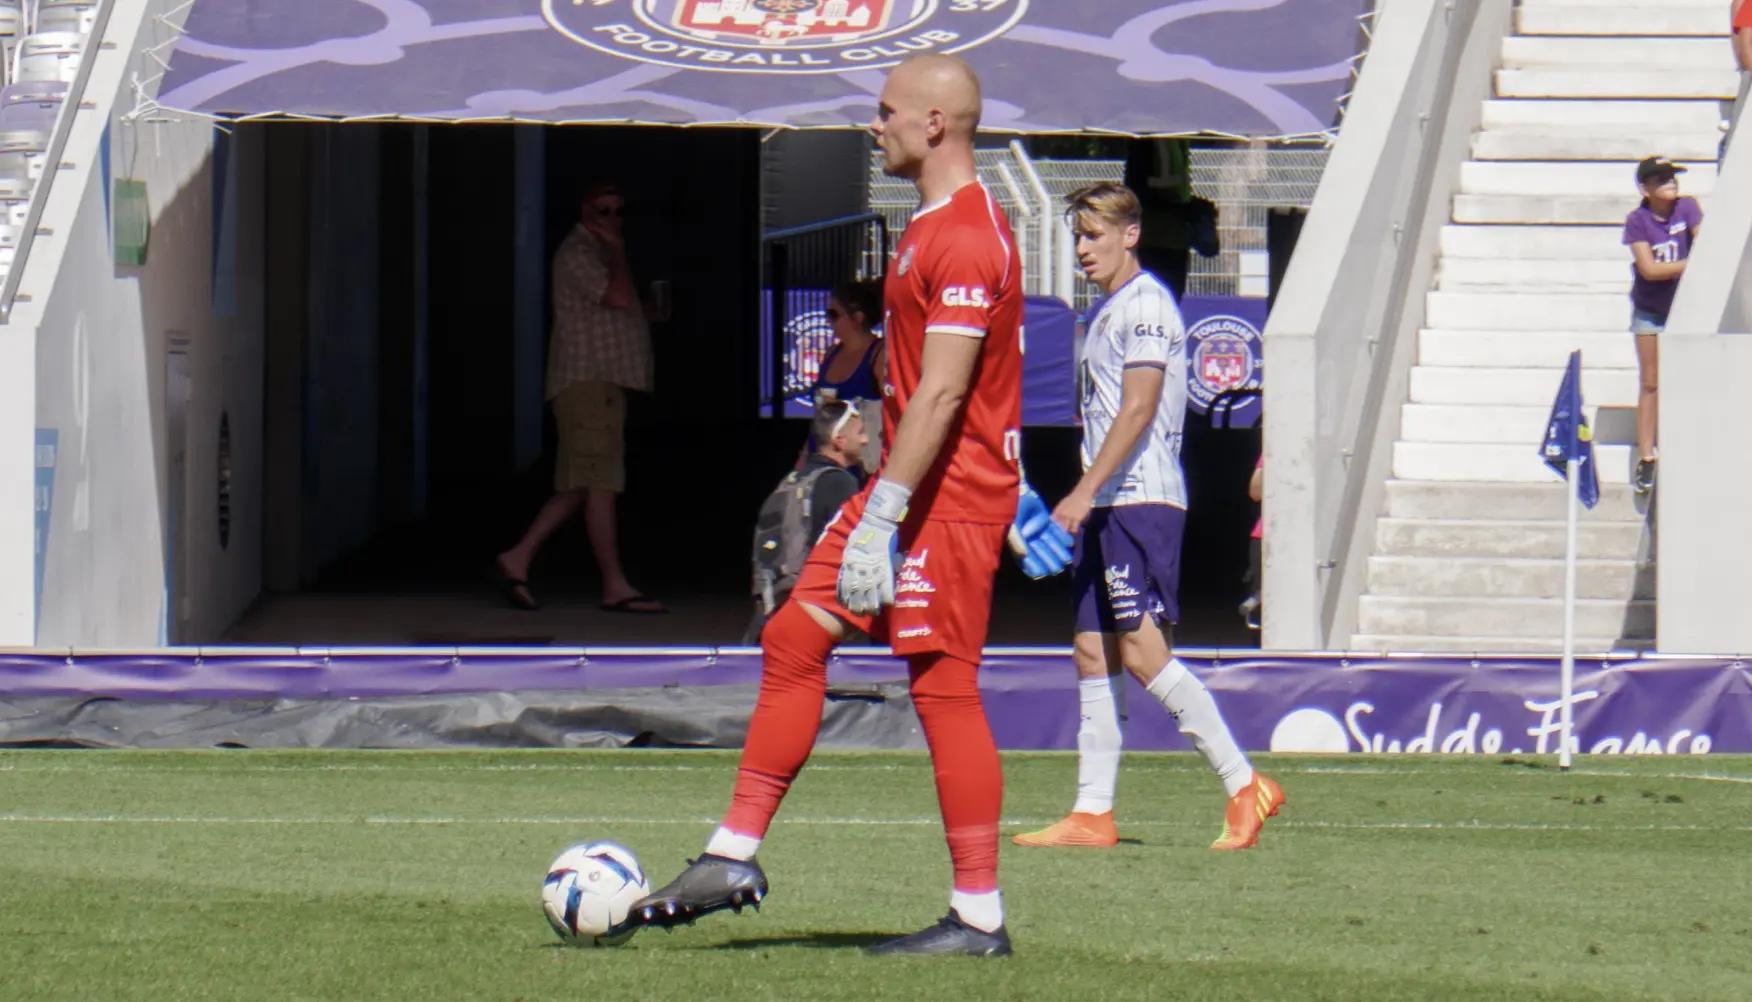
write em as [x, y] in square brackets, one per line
[819, 941]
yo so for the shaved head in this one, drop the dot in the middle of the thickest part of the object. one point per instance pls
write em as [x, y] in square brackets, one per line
[945, 83]
[929, 111]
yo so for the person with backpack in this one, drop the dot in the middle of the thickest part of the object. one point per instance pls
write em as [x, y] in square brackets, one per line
[799, 508]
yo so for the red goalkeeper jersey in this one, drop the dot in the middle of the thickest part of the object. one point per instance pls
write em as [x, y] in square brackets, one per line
[956, 272]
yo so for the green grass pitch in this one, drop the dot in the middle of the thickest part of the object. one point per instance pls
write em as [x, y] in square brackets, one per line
[241, 875]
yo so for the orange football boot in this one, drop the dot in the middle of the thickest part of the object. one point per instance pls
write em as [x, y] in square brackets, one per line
[1247, 812]
[1078, 828]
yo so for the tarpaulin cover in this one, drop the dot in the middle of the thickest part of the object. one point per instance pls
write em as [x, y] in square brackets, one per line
[1241, 67]
[1496, 705]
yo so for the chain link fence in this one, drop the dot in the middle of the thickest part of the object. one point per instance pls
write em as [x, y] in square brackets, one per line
[1245, 182]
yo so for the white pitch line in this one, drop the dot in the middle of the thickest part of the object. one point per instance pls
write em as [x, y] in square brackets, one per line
[1144, 766]
[1702, 777]
[136, 819]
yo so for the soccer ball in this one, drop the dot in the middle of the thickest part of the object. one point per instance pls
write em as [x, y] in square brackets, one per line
[588, 891]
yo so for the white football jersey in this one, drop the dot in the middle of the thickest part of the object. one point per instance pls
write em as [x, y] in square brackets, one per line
[1137, 325]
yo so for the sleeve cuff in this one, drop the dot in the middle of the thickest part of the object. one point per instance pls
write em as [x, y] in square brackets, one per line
[959, 329]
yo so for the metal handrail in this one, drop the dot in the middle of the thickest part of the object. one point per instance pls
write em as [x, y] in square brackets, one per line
[826, 224]
[39, 196]
[777, 280]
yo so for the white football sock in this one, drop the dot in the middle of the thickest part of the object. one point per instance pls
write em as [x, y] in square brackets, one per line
[730, 845]
[1098, 744]
[984, 911]
[1196, 713]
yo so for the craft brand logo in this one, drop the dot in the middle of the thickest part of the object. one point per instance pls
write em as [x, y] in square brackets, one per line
[780, 36]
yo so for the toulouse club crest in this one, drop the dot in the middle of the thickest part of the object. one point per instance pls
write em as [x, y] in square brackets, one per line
[780, 36]
[1223, 354]
[783, 22]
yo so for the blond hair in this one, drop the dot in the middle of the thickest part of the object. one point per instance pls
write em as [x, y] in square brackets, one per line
[1108, 200]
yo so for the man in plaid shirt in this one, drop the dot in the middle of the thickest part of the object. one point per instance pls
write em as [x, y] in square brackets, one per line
[600, 348]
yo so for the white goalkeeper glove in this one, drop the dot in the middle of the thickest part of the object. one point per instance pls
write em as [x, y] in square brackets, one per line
[866, 574]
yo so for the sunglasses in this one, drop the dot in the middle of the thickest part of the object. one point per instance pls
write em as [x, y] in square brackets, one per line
[834, 313]
[843, 420]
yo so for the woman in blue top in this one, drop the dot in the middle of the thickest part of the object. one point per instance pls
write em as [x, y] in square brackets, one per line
[854, 367]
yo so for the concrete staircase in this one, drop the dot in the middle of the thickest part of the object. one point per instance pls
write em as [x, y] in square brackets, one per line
[1468, 553]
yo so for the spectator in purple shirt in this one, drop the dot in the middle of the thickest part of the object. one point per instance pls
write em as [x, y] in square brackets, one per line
[1659, 233]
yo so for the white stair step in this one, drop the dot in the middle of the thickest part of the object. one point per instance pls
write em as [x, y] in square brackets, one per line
[1509, 274]
[1448, 384]
[1528, 502]
[1561, 243]
[1551, 311]
[1615, 53]
[1617, 178]
[1557, 143]
[1541, 210]
[1513, 349]
[1501, 424]
[1506, 577]
[1362, 643]
[1471, 538]
[1637, 117]
[1721, 85]
[1495, 462]
[1646, 19]
[1387, 615]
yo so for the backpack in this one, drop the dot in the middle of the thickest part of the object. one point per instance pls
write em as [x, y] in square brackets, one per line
[781, 535]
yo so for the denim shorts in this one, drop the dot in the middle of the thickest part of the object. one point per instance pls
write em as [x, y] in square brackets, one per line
[1646, 322]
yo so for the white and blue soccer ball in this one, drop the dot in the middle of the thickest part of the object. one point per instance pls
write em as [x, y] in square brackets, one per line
[589, 890]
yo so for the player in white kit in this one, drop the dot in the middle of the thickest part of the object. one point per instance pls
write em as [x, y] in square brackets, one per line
[1128, 513]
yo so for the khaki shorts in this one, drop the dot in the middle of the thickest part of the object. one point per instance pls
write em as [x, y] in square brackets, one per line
[592, 419]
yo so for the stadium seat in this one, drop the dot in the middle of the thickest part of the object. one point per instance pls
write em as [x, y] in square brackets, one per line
[23, 166]
[14, 166]
[14, 211]
[25, 107]
[11, 29]
[50, 56]
[65, 15]
[24, 137]
[37, 91]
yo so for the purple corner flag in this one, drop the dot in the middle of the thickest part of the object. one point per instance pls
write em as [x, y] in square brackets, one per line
[1567, 435]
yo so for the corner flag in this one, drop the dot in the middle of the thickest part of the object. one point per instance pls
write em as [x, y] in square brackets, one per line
[1568, 437]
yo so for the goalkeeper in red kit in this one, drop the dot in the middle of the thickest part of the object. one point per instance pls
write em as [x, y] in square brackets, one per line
[912, 558]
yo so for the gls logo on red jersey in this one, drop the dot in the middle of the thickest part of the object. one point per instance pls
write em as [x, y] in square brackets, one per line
[962, 295]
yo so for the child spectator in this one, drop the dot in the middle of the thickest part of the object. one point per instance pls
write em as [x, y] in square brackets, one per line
[1659, 233]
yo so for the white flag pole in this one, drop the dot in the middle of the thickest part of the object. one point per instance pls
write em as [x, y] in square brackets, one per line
[1566, 686]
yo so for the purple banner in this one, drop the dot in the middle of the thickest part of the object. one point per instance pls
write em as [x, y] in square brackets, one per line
[1049, 382]
[1244, 67]
[1049, 367]
[1506, 705]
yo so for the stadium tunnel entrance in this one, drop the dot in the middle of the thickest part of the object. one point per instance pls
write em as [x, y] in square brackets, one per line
[406, 441]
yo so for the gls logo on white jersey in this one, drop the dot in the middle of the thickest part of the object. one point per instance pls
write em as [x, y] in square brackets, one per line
[962, 295]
